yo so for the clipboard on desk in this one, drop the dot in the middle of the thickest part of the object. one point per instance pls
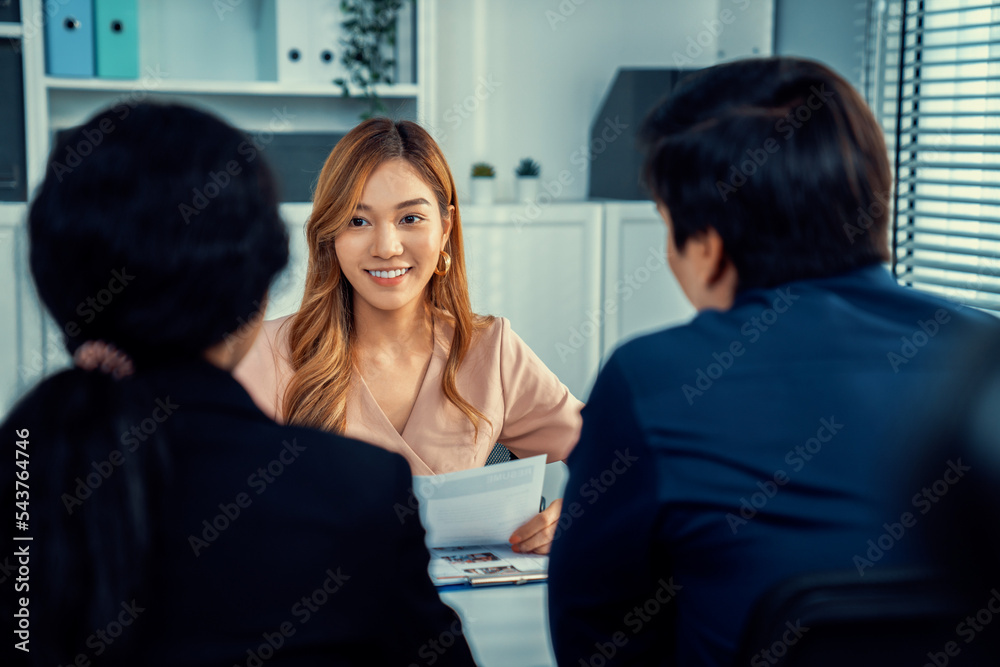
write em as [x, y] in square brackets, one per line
[468, 516]
[485, 565]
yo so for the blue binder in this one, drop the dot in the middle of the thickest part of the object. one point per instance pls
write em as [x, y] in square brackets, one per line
[116, 26]
[69, 38]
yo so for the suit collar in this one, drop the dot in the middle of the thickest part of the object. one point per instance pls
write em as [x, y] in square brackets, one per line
[874, 275]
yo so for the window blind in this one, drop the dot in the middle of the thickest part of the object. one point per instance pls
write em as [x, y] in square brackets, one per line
[932, 75]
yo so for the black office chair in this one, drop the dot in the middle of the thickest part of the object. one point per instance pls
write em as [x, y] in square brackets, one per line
[499, 454]
[891, 616]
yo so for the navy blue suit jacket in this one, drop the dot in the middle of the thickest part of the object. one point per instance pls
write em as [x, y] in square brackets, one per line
[720, 457]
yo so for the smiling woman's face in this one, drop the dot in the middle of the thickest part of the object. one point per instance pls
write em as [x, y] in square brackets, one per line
[391, 246]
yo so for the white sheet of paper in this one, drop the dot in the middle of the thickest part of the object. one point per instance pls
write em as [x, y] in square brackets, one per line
[480, 505]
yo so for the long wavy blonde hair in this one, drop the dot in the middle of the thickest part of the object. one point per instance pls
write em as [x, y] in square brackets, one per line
[321, 334]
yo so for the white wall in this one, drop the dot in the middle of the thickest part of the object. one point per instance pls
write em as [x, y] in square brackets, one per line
[517, 78]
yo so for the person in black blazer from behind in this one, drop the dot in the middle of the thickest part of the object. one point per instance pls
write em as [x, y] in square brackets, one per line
[721, 457]
[171, 522]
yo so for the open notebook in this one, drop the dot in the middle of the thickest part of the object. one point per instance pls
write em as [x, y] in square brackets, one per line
[470, 514]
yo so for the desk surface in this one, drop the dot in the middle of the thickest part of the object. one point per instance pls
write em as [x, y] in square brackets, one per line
[505, 625]
[508, 626]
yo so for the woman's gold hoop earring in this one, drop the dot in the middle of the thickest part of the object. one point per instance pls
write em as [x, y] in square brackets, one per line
[447, 265]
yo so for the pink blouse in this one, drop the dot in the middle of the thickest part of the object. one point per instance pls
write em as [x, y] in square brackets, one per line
[529, 410]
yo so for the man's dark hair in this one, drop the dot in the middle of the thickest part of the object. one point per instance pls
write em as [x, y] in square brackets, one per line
[780, 156]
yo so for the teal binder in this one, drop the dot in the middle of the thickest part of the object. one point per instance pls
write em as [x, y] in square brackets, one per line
[116, 28]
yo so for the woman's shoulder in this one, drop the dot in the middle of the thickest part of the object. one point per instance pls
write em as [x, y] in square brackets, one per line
[271, 345]
[275, 332]
[265, 369]
[487, 330]
[490, 327]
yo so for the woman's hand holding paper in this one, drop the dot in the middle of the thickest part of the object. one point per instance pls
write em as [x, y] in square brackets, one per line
[537, 534]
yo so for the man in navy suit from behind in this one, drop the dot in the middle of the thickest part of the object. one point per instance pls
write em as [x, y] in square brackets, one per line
[721, 457]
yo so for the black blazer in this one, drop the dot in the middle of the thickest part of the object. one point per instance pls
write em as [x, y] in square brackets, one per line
[322, 560]
[281, 545]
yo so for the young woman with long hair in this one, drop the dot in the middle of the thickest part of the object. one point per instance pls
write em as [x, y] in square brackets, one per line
[385, 347]
[169, 521]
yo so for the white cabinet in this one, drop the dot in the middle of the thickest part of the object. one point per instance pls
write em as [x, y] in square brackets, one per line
[576, 281]
[214, 55]
[545, 277]
[641, 293]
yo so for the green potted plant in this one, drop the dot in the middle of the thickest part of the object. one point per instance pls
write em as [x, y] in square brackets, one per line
[527, 172]
[370, 32]
[483, 176]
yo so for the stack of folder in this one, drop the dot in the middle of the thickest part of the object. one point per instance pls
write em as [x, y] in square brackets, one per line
[86, 38]
[297, 41]
[302, 42]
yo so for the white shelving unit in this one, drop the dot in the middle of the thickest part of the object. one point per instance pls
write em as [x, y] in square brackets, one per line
[189, 53]
[245, 88]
